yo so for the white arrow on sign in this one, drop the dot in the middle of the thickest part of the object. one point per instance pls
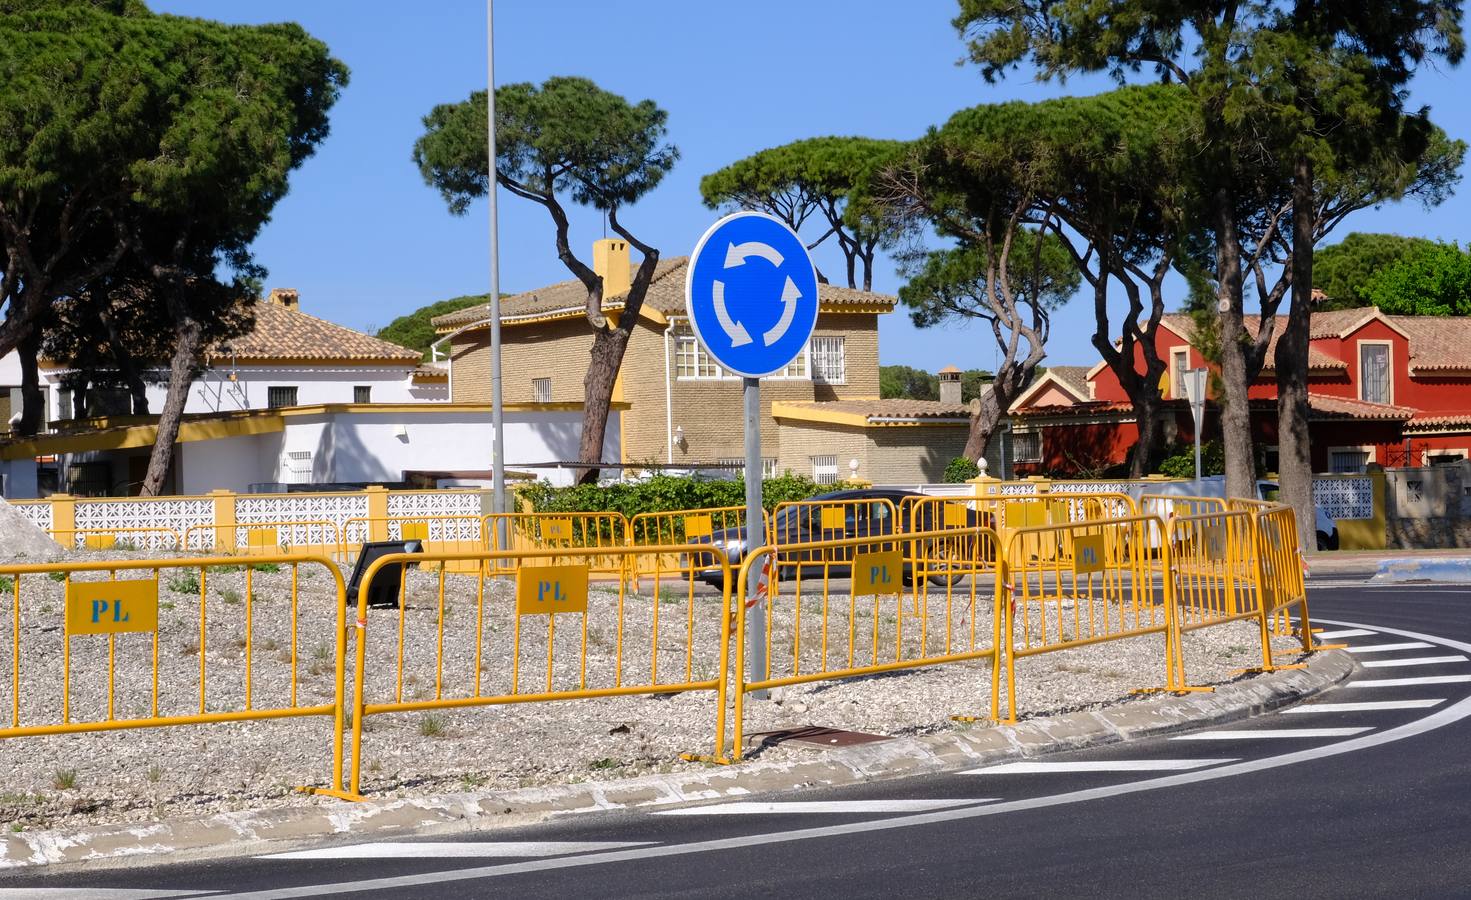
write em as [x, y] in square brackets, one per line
[734, 330]
[737, 254]
[789, 297]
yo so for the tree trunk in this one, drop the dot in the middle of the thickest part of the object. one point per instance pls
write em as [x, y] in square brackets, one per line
[604, 362]
[1295, 469]
[181, 376]
[32, 401]
[1235, 408]
[1146, 413]
[982, 426]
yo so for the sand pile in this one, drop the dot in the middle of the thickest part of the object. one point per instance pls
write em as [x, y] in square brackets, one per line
[20, 538]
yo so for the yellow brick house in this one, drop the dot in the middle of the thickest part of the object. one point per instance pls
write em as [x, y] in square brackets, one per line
[821, 417]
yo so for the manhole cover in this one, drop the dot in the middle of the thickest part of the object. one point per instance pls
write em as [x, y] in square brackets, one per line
[813, 737]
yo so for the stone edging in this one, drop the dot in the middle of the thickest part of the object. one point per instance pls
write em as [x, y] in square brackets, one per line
[275, 830]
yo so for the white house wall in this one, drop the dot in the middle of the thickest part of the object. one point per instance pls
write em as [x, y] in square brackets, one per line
[228, 463]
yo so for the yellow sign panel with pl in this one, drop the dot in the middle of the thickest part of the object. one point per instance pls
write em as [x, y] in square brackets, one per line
[957, 515]
[556, 529]
[833, 518]
[100, 541]
[698, 526]
[546, 590]
[1215, 543]
[263, 539]
[1088, 554]
[881, 572]
[1024, 514]
[413, 531]
[111, 607]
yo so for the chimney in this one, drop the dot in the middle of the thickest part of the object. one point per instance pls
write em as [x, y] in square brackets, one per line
[610, 260]
[286, 297]
[950, 386]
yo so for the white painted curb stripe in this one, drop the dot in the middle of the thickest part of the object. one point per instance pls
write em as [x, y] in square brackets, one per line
[1365, 706]
[1347, 632]
[1413, 661]
[1249, 734]
[1407, 682]
[1119, 765]
[1385, 648]
[753, 807]
[454, 849]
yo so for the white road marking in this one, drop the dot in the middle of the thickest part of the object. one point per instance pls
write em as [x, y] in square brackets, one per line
[1408, 682]
[1108, 765]
[1412, 661]
[1247, 734]
[752, 807]
[453, 849]
[1366, 706]
[84, 893]
[1347, 632]
[1385, 648]
[1439, 719]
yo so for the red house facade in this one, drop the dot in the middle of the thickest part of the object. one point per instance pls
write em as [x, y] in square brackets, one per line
[1392, 390]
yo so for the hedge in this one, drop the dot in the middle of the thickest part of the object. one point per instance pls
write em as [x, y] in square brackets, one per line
[665, 493]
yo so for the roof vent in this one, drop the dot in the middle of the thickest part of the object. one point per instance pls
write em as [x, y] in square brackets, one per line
[286, 297]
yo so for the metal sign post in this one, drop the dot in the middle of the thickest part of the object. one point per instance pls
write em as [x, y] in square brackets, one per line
[1195, 382]
[751, 292]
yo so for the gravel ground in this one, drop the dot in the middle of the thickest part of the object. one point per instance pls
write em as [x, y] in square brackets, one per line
[138, 775]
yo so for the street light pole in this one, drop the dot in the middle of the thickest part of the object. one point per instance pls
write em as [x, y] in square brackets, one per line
[497, 418]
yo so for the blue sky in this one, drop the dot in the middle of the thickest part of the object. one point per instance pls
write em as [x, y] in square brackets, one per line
[365, 240]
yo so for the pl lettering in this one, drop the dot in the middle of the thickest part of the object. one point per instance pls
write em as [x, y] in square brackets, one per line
[555, 589]
[100, 607]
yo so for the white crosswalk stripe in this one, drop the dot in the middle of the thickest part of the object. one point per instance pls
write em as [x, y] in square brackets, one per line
[1248, 734]
[1408, 682]
[1347, 632]
[806, 807]
[454, 849]
[85, 893]
[1365, 706]
[1385, 648]
[1111, 765]
[1412, 661]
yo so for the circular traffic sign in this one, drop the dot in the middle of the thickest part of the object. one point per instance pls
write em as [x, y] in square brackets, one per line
[751, 293]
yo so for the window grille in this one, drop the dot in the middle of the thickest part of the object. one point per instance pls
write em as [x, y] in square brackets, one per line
[825, 469]
[541, 390]
[277, 397]
[827, 359]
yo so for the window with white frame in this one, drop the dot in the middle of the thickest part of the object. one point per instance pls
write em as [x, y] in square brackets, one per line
[1026, 446]
[1374, 373]
[1179, 365]
[298, 467]
[690, 359]
[825, 469]
[1348, 461]
[362, 393]
[278, 396]
[797, 368]
[541, 390]
[826, 354]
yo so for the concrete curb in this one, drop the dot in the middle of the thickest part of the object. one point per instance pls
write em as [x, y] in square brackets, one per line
[275, 830]
[1455, 570]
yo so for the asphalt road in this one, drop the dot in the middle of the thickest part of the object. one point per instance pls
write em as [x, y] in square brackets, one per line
[1323, 802]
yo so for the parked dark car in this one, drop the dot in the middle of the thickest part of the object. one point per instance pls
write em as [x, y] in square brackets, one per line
[804, 524]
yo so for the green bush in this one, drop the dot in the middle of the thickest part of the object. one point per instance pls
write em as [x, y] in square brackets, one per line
[664, 493]
[1179, 461]
[961, 470]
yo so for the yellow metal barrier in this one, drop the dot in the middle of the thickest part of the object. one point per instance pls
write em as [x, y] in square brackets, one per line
[916, 610]
[575, 531]
[713, 525]
[85, 647]
[1280, 560]
[1081, 583]
[463, 533]
[1213, 577]
[617, 642]
[817, 533]
[1167, 506]
[119, 538]
[317, 536]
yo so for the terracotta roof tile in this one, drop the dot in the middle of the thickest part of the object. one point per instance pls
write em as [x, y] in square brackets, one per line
[1427, 419]
[889, 409]
[1324, 407]
[666, 295]
[283, 333]
[1075, 377]
[1317, 359]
